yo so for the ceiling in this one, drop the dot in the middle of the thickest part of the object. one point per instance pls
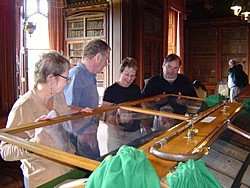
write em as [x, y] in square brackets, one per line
[195, 9]
[208, 9]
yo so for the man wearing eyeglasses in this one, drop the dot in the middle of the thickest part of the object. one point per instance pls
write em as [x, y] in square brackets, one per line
[82, 91]
[170, 82]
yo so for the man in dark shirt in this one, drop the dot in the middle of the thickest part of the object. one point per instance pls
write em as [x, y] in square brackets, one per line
[170, 81]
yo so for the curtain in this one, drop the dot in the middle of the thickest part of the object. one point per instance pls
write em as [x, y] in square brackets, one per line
[8, 55]
[179, 6]
[56, 24]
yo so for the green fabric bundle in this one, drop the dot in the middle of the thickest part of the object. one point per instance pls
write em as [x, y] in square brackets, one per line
[246, 104]
[214, 99]
[129, 168]
[192, 174]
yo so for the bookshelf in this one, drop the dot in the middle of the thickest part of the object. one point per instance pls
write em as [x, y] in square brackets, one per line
[86, 26]
[152, 44]
[204, 50]
[212, 45]
[234, 45]
[79, 30]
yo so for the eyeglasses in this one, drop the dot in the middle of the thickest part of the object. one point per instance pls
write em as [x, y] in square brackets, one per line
[108, 60]
[66, 78]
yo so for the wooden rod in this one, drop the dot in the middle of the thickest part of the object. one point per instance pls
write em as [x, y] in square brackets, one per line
[239, 131]
[155, 112]
[51, 153]
[186, 97]
[60, 119]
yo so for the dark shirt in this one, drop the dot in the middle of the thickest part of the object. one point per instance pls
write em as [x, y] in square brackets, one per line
[244, 80]
[117, 94]
[157, 85]
[239, 77]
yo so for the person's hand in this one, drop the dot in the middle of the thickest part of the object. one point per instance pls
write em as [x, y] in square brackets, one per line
[77, 109]
[181, 101]
[42, 118]
[124, 116]
[87, 110]
[51, 114]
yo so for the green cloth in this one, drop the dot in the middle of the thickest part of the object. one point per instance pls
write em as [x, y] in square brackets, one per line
[192, 174]
[129, 168]
[246, 104]
[213, 100]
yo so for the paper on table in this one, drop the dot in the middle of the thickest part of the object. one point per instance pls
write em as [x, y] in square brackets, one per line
[208, 119]
[73, 183]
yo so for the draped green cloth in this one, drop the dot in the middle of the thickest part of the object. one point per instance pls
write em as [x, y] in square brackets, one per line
[129, 168]
[192, 174]
[246, 104]
[213, 100]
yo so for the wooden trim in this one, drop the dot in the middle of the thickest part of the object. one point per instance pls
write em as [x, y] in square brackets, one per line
[54, 154]
[155, 112]
[244, 94]
[33, 125]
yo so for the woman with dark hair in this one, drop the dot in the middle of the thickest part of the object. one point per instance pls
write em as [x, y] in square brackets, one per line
[123, 91]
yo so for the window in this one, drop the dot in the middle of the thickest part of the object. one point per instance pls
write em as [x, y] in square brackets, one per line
[173, 32]
[36, 12]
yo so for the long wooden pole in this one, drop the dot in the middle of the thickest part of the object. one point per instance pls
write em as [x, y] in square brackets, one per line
[51, 153]
[155, 112]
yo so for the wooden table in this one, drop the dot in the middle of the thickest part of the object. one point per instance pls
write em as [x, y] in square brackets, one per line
[207, 133]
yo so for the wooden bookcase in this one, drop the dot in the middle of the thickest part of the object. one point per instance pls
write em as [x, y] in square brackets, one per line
[203, 48]
[234, 42]
[152, 44]
[80, 29]
[211, 45]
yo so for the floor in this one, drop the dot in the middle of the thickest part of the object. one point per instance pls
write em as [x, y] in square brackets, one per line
[229, 160]
[229, 157]
[10, 175]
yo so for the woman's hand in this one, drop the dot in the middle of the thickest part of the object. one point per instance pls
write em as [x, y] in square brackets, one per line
[42, 118]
